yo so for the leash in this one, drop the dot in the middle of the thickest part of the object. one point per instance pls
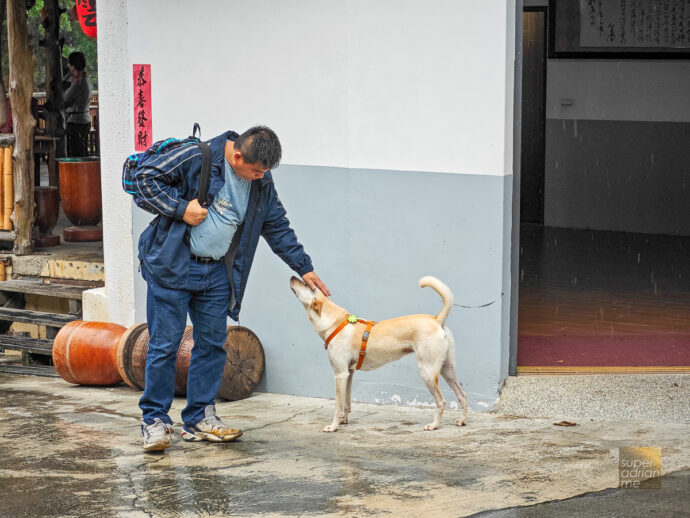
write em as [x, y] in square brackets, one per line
[352, 319]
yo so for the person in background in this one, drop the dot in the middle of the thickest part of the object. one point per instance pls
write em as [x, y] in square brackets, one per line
[77, 99]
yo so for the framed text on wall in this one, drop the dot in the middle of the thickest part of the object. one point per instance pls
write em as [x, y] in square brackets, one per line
[615, 29]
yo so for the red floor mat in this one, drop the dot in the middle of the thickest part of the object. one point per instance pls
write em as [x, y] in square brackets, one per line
[604, 351]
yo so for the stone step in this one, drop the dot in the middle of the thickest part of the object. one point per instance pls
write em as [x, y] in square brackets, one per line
[661, 398]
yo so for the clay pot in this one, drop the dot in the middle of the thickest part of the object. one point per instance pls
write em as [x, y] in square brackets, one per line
[244, 364]
[80, 189]
[47, 210]
[86, 352]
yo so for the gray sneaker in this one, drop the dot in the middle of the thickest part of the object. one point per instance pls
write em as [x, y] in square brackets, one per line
[157, 436]
[210, 428]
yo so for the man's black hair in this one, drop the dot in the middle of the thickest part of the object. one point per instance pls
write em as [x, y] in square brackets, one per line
[260, 144]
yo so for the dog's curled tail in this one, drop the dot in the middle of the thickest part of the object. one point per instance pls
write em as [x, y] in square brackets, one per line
[442, 290]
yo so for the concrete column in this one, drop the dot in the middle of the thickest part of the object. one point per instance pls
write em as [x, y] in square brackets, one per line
[115, 302]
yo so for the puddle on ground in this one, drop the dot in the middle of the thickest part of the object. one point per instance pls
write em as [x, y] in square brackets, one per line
[73, 465]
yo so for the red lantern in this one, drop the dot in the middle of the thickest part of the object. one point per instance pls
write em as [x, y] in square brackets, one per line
[86, 11]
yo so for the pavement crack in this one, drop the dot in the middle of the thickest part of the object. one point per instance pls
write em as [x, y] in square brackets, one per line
[288, 419]
[135, 501]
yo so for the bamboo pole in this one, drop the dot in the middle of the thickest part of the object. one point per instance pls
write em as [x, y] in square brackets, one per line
[2, 189]
[7, 189]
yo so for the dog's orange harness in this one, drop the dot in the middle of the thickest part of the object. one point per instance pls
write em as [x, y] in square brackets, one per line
[352, 319]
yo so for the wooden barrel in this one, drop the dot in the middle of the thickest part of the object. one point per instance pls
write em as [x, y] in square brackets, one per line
[80, 189]
[244, 364]
[124, 355]
[46, 215]
[184, 353]
[85, 352]
[131, 358]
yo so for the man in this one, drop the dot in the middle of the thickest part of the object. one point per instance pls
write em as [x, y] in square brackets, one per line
[196, 260]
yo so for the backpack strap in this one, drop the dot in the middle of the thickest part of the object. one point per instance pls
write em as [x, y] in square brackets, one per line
[205, 176]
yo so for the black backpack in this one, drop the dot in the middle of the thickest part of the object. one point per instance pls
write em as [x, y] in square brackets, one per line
[162, 147]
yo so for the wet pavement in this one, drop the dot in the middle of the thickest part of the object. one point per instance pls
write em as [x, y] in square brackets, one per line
[76, 451]
[669, 501]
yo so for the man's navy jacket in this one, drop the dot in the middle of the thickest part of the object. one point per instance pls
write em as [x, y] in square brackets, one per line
[165, 188]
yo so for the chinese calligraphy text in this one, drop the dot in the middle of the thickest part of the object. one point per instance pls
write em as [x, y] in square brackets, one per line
[142, 107]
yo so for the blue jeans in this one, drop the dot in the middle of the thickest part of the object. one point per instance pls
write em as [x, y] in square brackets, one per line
[206, 296]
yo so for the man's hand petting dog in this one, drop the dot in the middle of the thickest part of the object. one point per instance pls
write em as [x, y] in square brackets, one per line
[314, 282]
[425, 335]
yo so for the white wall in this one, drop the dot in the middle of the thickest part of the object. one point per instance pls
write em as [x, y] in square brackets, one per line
[388, 84]
[631, 90]
[361, 91]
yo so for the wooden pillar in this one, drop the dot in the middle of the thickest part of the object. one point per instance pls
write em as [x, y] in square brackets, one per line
[21, 90]
[3, 93]
[55, 124]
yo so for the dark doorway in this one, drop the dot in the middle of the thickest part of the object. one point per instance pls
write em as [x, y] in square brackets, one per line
[533, 115]
[603, 270]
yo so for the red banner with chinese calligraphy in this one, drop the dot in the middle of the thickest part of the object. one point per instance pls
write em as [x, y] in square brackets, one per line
[142, 107]
[86, 12]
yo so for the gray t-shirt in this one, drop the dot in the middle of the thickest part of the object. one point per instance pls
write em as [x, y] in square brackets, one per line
[213, 236]
[77, 100]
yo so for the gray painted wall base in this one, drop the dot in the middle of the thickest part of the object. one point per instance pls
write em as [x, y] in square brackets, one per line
[371, 235]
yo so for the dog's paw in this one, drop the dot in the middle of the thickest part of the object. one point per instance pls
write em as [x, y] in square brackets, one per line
[431, 426]
[343, 420]
[460, 421]
[330, 428]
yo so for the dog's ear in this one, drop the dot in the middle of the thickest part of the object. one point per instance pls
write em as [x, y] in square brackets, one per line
[316, 305]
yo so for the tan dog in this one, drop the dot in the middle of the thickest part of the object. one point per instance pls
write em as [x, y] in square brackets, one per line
[425, 335]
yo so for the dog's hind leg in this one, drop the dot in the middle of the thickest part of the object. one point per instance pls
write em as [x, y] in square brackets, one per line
[340, 393]
[348, 398]
[448, 373]
[431, 379]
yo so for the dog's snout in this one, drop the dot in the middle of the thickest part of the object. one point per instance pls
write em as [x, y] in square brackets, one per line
[296, 282]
